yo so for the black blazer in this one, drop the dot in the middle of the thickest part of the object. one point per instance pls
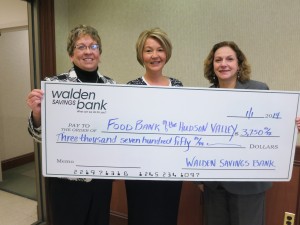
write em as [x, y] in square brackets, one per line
[243, 188]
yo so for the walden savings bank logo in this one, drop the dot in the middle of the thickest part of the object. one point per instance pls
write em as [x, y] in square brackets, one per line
[83, 101]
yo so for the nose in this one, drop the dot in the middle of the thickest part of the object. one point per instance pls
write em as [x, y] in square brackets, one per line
[154, 54]
[87, 50]
[223, 62]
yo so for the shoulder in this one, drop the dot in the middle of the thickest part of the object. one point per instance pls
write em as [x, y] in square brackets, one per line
[175, 82]
[252, 84]
[64, 77]
[107, 80]
[138, 81]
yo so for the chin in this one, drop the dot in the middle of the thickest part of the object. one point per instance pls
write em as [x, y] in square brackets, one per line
[226, 77]
[89, 68]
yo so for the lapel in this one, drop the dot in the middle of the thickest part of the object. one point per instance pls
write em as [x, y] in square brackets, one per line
[240, 85]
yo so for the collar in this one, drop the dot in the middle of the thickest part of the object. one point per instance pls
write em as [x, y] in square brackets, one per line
[73, 74]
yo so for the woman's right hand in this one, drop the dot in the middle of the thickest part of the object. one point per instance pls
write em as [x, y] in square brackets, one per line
[34, 100]
[298, 123]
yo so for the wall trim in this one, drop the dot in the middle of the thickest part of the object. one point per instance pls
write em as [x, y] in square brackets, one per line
[17, 161]
[297, 156]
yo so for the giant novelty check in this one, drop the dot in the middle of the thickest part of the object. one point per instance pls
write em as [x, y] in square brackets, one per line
[167, 133]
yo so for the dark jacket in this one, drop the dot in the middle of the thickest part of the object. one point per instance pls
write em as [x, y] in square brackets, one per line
[243, 188]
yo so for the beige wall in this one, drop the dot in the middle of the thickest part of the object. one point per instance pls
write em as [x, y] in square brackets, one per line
[15, 80]
[13, 13]
[267, 31]
[14, 87]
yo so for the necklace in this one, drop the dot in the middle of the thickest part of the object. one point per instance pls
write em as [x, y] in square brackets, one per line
[97, 79]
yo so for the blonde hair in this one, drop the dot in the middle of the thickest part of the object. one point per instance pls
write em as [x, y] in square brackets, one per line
[158, 35]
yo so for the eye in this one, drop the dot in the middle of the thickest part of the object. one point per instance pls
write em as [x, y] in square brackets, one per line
[80, 47]
[94, 47]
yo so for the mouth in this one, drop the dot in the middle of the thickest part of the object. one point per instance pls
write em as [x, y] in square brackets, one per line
[155, 62]
[88, 59]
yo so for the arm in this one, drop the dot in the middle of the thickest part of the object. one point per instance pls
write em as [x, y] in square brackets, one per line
[34, 122]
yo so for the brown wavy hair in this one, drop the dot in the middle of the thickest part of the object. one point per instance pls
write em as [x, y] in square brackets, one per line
[244, 67]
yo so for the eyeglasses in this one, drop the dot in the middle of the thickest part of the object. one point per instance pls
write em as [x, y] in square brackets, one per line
[93, 47]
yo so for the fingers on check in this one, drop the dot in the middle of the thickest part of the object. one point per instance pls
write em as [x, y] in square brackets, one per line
[298, 123]
[35, 94]
[34, 97]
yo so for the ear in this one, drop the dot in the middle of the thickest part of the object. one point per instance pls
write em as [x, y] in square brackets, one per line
[71, 58]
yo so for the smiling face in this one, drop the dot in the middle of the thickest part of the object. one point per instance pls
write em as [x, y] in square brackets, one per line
[154, 55]
[86, 59]
[226, 65]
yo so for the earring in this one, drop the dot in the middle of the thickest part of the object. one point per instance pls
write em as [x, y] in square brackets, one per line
[238, 75]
